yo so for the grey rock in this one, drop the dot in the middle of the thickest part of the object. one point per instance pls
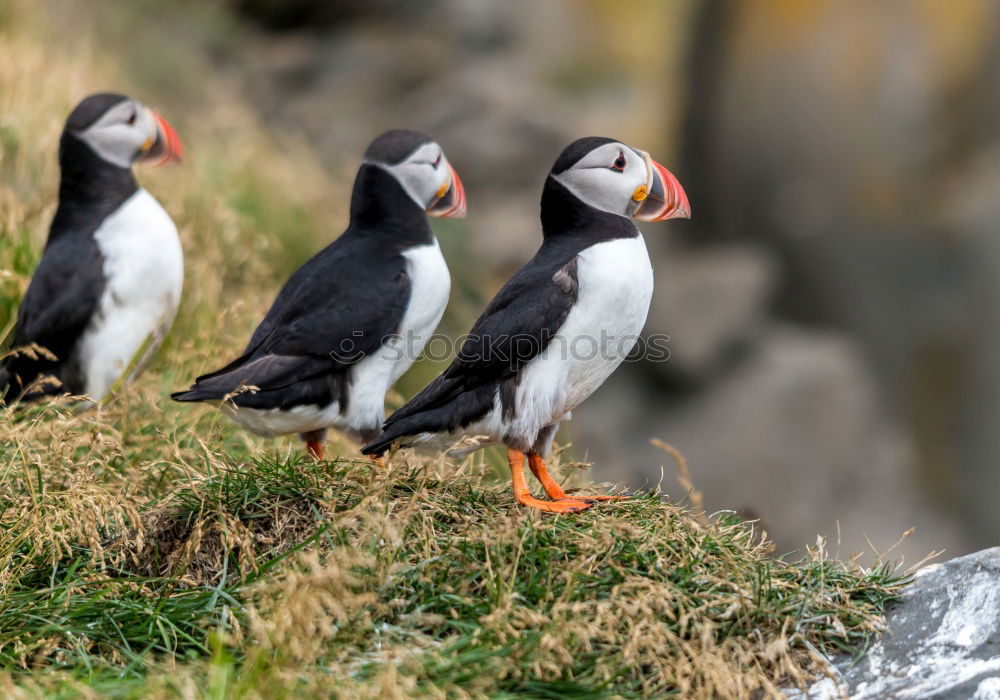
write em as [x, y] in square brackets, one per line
[709, 301]
[942, 639]
[974, 215]
[823, 171]
[794, 434]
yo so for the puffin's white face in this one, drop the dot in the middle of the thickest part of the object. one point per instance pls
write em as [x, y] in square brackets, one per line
[129, 131]
[623, 180]
[607, 177]
[430, 181]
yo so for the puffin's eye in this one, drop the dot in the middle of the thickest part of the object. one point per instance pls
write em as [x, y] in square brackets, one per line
[437, 161]
[131, 118]
[619, 163]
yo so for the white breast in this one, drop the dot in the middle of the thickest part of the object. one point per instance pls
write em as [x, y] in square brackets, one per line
[615, 287]
[144, 274]
[431, 287]
[374, 375]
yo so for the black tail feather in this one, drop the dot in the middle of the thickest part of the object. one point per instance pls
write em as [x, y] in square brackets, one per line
[458, 413]
[195, 394]
[379, 445]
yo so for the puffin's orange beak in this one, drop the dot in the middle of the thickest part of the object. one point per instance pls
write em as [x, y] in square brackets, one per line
[450, 202]
[165, 147]
[665, 199]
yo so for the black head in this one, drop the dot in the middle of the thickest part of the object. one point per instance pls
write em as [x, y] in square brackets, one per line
[577, 150]
[120, 131]
[394, 146]
[91, 109]
[609, 176]
[418, 164]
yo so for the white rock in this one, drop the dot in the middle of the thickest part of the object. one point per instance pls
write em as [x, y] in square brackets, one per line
[942, 641]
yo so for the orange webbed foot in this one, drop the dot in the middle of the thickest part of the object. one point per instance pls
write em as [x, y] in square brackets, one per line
[552, 488]
[564, 505]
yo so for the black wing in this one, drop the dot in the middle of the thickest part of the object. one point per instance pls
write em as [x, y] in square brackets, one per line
[337, 308]
[516, 327]
[61, 300]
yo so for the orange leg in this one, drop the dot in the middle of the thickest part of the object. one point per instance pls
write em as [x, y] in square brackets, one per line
[554, 490]
[314, 442]
[524, 497]
[377, 460]
[315, 448]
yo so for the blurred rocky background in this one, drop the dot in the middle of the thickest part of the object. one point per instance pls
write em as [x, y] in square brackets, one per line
[832, 307]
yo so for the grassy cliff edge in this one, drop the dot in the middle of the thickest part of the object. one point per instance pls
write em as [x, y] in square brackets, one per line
[148, 549]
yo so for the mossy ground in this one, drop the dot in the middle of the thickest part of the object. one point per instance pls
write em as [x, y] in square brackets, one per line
[151, 549]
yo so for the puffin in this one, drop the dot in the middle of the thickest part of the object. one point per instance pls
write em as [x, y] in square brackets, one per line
[353, 318]
[107, 287]
[560, 326]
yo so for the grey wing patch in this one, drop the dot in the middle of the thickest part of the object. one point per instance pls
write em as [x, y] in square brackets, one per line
[508, 396]
[566, 279]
